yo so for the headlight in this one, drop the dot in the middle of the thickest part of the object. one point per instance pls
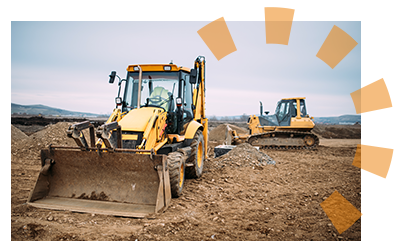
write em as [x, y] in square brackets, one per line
[178, 101]
[118, 101]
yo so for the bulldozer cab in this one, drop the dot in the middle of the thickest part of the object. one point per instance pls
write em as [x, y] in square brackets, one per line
[288, 108]
[288, 128]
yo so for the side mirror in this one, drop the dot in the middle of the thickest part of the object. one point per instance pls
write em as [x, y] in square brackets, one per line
[112, 77]
[266, 112]
[193, 76]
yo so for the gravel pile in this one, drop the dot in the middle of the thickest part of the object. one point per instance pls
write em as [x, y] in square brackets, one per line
[244, 155]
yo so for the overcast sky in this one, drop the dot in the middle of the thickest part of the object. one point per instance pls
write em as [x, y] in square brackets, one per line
[66, 64]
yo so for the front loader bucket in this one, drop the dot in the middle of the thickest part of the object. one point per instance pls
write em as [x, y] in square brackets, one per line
[113, 183]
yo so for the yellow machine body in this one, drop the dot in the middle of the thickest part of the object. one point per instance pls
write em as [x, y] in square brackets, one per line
[289, 127]
[152, 141]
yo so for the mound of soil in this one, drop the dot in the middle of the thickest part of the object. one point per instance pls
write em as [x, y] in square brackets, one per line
[28, 147]
[321, 130]
[338, 131]
[17, 135]
[219, 133]
[18, 139]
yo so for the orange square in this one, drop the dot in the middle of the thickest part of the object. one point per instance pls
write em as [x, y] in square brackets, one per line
[336, 47]
[217, 37]
[340, 211]
[278, 24]
[278, 32]
[375, 160]
[372, 97]
[375, 96]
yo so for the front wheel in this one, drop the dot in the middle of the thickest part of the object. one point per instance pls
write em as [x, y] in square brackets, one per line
[176, 167]
[197, 155]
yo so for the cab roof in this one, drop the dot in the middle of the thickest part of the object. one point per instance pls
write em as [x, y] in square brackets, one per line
[157, 67]
[294, 98]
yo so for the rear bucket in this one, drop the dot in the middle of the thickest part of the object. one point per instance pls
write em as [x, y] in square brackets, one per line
[121, 184]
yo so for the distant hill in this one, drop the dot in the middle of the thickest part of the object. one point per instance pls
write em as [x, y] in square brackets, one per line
[343, 119]
[45, 110]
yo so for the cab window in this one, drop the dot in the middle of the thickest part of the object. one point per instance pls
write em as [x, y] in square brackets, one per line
[187, 98]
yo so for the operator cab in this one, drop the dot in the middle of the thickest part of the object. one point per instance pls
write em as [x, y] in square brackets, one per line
[285, 110]
[158, 89]
[162, 86]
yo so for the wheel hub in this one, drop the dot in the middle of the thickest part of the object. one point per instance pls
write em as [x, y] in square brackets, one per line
[309, 140]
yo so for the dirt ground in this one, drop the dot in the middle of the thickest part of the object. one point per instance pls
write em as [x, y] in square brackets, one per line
[239, 197]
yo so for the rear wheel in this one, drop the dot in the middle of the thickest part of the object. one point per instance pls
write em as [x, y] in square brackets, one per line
[176, 168]
[197, 155]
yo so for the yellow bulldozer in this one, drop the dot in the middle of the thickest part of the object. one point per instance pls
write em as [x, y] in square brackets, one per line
[289, 128]
[155, 138]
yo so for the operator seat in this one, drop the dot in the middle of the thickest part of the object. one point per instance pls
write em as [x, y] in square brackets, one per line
[159, 97]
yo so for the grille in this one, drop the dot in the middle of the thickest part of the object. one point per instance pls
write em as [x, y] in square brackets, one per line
[132, 143]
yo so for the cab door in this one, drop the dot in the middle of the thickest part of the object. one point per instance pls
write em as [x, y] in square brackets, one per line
[187, 100]
[284, 113]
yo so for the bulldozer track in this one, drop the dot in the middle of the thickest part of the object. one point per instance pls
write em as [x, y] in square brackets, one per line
[296, 134]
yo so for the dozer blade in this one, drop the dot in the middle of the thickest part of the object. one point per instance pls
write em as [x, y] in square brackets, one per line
[113, 183]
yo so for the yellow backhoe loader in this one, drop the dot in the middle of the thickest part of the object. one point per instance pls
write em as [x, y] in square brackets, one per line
[154, 139]
[289, 128]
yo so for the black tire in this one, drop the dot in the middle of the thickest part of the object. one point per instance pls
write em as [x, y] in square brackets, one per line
[196, 170]
[176, 168]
